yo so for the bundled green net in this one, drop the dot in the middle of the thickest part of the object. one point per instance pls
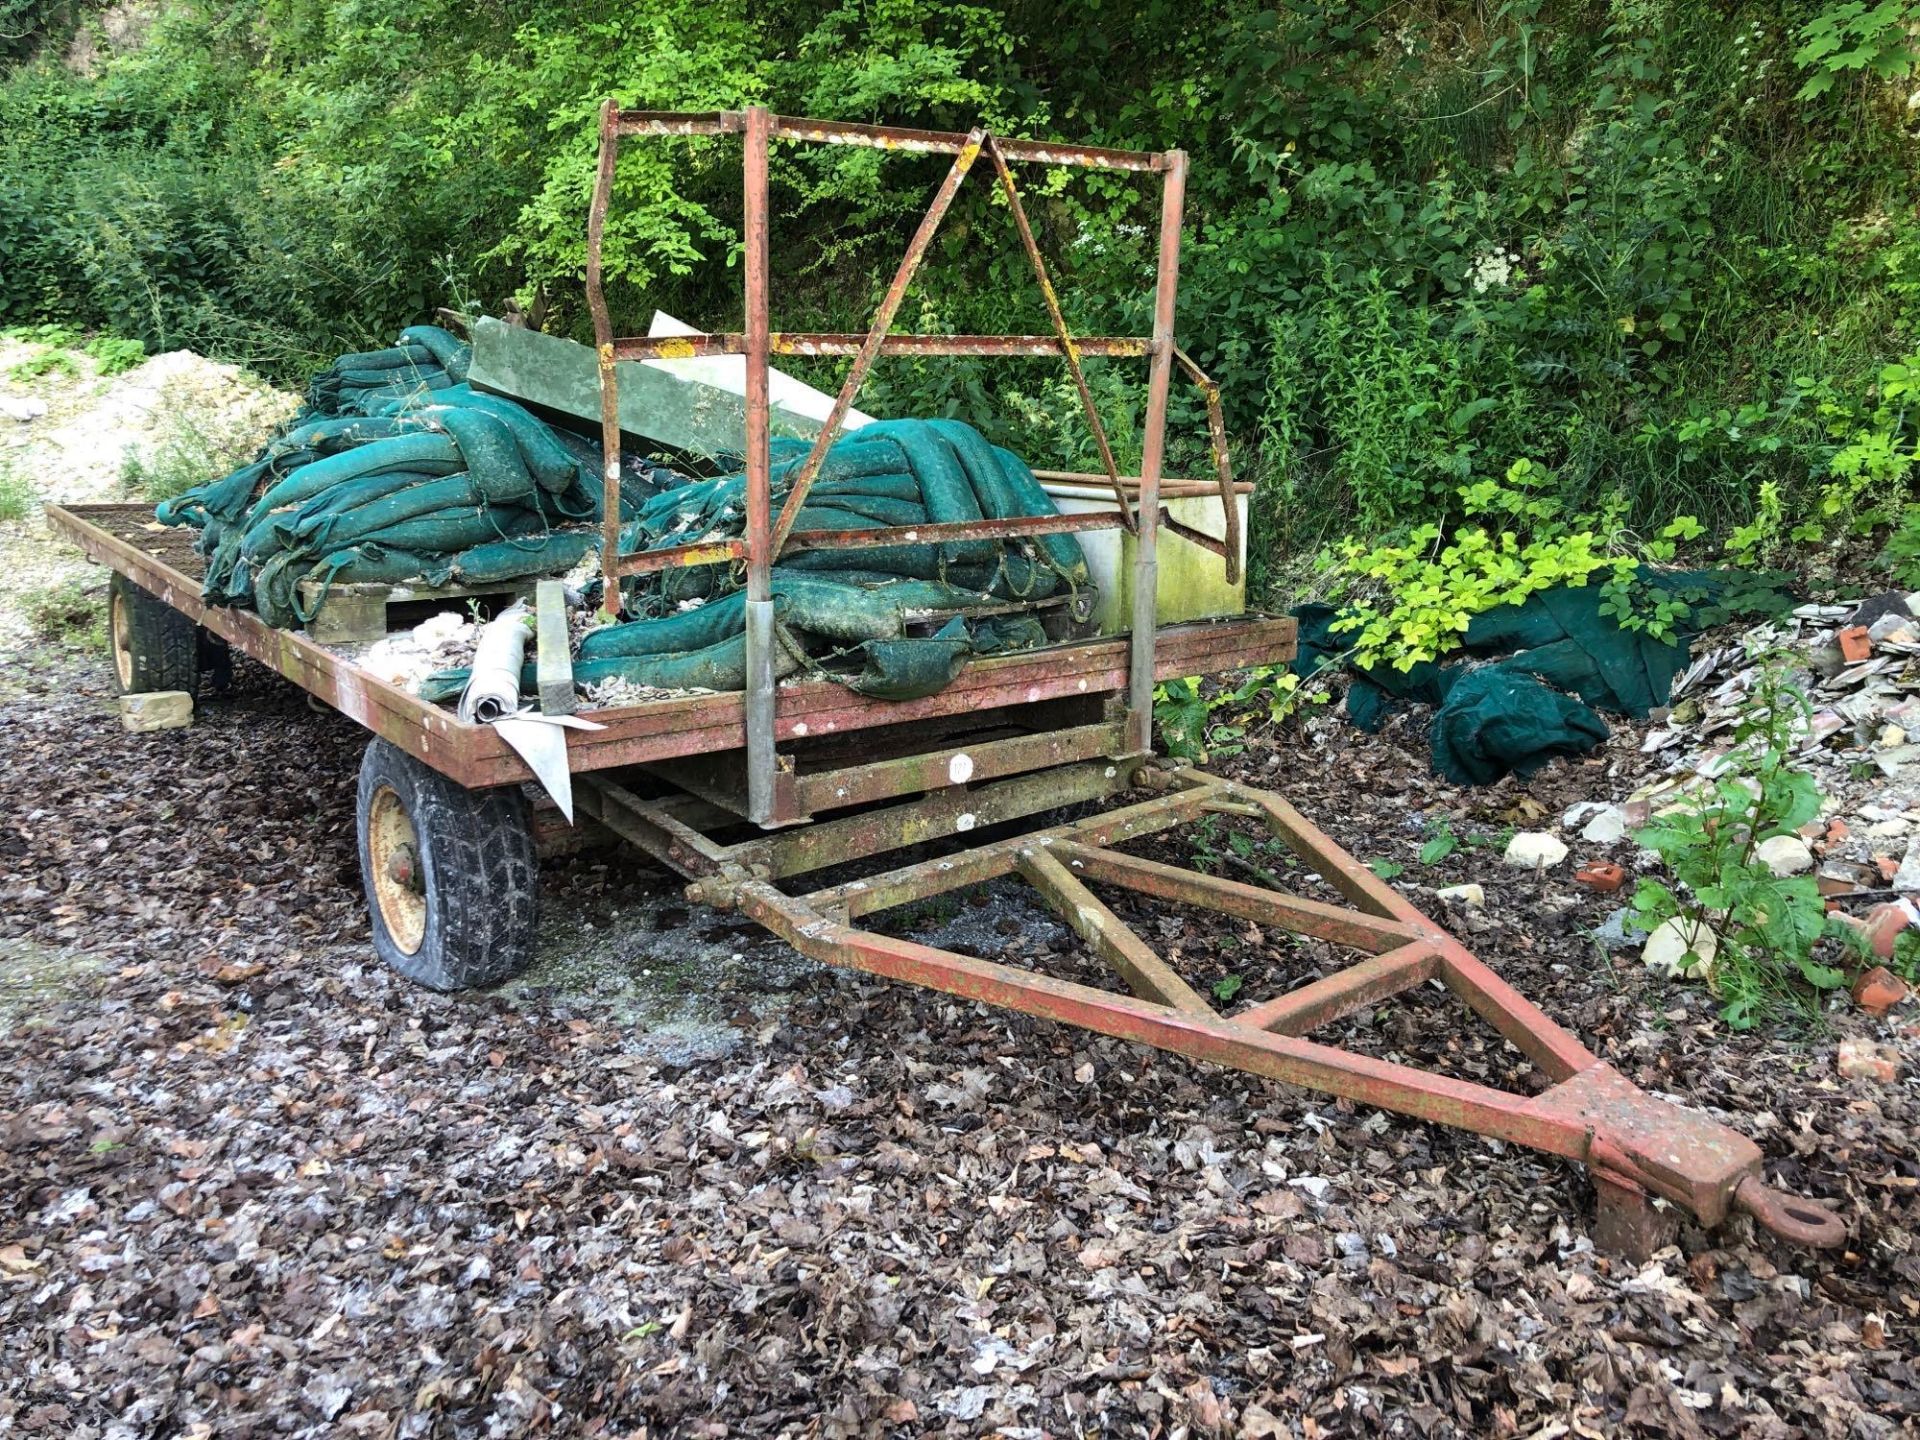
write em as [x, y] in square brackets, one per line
[861, 602]
[398, 471]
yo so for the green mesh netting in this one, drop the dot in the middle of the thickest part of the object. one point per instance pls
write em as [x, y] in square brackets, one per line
[1501, 710]
[399, 471]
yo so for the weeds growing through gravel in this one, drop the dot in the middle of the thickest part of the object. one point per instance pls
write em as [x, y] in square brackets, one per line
[188, 450]
[1758, 931]
[16, 492]
[72, 612]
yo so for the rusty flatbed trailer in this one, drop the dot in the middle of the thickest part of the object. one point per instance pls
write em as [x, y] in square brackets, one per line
[741, 794]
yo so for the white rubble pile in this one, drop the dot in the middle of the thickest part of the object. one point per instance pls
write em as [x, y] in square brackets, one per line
[1862, 740]
[407, 657]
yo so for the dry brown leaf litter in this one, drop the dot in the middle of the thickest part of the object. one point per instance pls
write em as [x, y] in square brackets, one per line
[254, 1185]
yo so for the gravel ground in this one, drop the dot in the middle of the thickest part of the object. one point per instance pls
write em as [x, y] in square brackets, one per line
[680, 1182]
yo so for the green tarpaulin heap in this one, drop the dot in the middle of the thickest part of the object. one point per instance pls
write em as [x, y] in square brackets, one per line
[399, 471]
[859, 601]
[1501, 709]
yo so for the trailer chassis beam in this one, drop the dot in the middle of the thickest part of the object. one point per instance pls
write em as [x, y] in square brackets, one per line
[1636, 1146]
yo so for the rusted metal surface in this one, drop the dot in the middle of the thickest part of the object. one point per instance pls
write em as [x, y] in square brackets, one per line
[603, 338]
[1169, 489]
[758, 341]
[1146, 974]
[763, 764]
[1222, 461]
[1059, 319]
[955, 765]
[941, 142]
[1153, 443]
[671, 122]
[1014, 527]
[1637, 1146]
[160, 559]
[846, 342]
[424, 731]
[1340, 994]
[802, 479]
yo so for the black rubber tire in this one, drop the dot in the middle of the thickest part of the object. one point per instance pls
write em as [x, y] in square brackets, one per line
[477, 875]
[154, 647]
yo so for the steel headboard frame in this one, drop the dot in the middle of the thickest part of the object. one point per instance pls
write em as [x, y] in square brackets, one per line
[768, 537]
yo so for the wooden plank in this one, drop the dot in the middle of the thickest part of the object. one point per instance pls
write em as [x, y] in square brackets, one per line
[554, 662]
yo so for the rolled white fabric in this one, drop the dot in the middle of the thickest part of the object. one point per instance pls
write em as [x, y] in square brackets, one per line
[493, 686]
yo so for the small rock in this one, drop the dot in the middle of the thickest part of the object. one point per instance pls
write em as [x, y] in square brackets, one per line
[1609, 827]
[1878, 990]
[1887, 627]
[1535, 850]
[1864, 1060]
[1784, 855]
[1672, 941]
[1907, 878]
[22, 407]
[1854, 644]
[1471, 895]
[1892, 605]
[156, 710]
[1618, 931]
[1575, 816]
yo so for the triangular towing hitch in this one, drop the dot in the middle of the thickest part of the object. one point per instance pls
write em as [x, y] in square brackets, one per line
[1636, 1146]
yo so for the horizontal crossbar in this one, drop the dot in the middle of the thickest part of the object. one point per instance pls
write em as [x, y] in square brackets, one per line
[840, 342]
[883, 137]
[1230, 897]
[1340, 994]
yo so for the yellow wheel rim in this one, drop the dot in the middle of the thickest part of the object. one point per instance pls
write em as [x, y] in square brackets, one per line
[120, 626]
[399, 881]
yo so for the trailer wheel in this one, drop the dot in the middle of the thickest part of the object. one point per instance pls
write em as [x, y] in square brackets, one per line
[154, 646]
[450, 873]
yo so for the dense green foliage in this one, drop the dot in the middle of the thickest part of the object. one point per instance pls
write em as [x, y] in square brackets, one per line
[1663, 254]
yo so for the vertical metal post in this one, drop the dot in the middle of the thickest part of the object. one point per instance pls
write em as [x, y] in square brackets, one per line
[1153, 444]
[761, 761]
[603, 343]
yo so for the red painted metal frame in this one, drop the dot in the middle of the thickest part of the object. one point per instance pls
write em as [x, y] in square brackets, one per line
[1636, 1145]
[1137, 510]
[160, 559]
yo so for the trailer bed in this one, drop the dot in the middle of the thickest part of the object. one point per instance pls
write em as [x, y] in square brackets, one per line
[161, 560]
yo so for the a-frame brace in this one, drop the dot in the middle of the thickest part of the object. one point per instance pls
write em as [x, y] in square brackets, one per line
[1637, 1146]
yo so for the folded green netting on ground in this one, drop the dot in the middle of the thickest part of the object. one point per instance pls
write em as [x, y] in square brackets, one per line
[399, 471]
[1501, 709]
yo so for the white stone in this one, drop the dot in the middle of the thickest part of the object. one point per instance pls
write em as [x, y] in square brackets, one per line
[1907, 879]
[157, 710]
[22, 407]
[1577, 815]
[1784, 854]
[1672, 940]
[1535, 850]
[1609, 827]
[1470, 895]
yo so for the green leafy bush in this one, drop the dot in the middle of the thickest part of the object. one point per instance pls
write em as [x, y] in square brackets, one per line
[1764, 927]
[16, 491]
[1418, 595]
